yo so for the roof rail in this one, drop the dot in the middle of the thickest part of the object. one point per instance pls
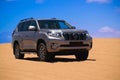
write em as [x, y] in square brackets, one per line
[27, 19]
[53, 18]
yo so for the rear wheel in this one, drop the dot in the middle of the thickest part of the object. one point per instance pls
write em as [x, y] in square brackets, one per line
[17, 53]
[83, 55]
[43, 53]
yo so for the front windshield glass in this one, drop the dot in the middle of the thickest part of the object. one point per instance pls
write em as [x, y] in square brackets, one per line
[53, 24]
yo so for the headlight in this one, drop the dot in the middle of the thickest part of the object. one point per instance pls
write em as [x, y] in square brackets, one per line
[87, 34]
[58, 35]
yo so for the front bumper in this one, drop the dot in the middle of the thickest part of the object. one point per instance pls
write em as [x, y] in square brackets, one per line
[54, 45]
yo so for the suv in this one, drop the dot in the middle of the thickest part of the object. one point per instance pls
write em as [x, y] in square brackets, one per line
[50, 37]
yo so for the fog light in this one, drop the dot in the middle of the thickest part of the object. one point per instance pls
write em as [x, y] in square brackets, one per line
[54, 46]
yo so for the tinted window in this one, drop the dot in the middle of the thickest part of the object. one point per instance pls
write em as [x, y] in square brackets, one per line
[63, 25]
[26, 25]
[46, 24]
[53, 24]
[20, 27]
[33, 23]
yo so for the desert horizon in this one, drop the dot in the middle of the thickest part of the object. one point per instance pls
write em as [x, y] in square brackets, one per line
[103, 63]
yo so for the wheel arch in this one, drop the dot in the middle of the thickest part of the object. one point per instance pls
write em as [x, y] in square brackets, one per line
[15, 42]
[38, 42]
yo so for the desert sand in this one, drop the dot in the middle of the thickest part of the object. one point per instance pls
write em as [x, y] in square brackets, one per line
[103, 64]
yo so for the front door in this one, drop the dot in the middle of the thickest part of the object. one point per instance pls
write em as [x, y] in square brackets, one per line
[29, 41]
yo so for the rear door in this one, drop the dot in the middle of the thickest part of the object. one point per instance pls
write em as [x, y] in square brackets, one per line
[18, 34]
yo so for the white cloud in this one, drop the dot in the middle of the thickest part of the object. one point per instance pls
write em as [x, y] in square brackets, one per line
[106, 32]
[107, 29]
[99, 1]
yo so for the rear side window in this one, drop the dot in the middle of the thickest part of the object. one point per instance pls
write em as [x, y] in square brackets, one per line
[20, 28]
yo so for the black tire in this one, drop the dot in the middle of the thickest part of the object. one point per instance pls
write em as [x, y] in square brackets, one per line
[83, 55]
[17, 53]
[43, 53]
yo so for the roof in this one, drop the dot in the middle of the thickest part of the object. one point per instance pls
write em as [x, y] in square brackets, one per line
[27, 19]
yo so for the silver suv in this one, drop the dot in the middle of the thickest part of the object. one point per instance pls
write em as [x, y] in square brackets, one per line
[48, 38]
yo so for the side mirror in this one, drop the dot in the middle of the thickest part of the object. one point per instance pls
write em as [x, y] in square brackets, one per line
[31, 28]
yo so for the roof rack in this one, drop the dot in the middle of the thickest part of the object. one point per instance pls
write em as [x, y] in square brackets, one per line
[27, 19]
[53, 18]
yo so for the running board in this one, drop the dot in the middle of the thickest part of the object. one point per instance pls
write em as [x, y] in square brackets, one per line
[28, 52]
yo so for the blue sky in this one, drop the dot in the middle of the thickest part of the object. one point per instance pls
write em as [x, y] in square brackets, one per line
[100, 17]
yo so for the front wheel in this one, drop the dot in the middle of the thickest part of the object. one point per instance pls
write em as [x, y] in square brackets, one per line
[17, 53]
[83, 55]
[43, 53]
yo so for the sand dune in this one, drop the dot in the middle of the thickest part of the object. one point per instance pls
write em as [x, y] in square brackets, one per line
[103, 64]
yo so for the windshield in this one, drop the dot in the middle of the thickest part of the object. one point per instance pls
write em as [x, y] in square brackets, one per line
[53, 24]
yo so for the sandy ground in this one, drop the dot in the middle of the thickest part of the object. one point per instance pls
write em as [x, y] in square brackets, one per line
[103, 64]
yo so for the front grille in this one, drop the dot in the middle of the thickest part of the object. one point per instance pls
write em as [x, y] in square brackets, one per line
[74, 36]
[75, 44]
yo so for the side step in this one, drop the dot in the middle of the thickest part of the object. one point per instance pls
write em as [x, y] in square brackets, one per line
[28, 52]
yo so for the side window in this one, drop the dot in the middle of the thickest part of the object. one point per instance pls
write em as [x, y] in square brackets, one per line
[20, 27]
[43, 24]
[26, 25]
[63, 25]
[33, 23]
